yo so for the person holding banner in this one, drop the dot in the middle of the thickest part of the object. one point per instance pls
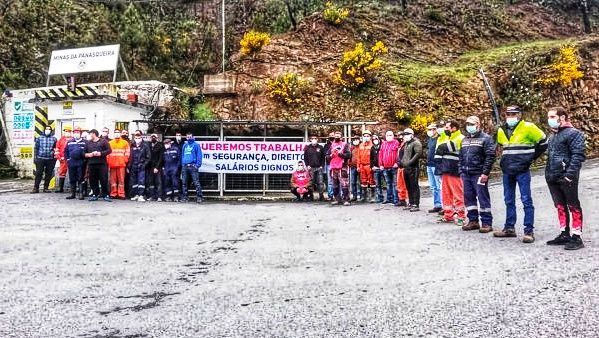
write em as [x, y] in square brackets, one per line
[315, 160]
[338, 156]
[300, 183]
[191, 161]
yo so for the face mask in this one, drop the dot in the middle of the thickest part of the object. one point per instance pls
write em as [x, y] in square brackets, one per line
[448, 132]
[440, 131]
[337, 139]
[408, 138]
[389, 138]
[315, 142]
[77, 135]
[331, 139]
[189, 138]
[375, 141]
[511, 121]
[167, 146]
[471, 129]
[429, 133]
[67, 134]
[300, 167]
[47, 132]
[178, 138]
[88, 137]
[154, 140]
[117, 135]
[553, 123]
[104, 134]
[356, 142]
[137, 140]
[366, 138]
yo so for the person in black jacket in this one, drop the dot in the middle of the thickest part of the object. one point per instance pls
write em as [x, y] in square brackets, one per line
[138, 162]
[477, 156]
[410, 163]
[377, 172]
[96, 151]
[314, 158]
[154, 173]
[565, 157]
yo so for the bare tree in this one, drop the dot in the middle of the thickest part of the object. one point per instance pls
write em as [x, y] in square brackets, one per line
[584, 10]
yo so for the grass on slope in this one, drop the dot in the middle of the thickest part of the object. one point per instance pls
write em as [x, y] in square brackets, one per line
[408, 74]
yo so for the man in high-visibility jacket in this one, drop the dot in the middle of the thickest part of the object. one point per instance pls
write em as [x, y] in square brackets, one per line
[59, 155]
[522, 143]
[117, 163]
[447, 153]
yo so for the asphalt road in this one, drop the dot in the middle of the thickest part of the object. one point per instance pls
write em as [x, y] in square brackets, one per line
[278, 269]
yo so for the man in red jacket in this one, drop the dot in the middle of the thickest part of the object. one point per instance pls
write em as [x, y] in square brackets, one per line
[300, 183]
[59, 155]
[388, 164]
[338, 156]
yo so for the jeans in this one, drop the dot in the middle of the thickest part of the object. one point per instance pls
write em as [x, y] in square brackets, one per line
[434, 182]
[329, 182]
[411, 179]
[390, 178]
[378, 181]
[509, 196]
[565, 198]
[189, 170]
[354, 182]
[477, 200]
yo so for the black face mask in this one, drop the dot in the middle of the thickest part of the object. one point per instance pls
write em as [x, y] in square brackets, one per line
[154, 140]
[448, 133]
[331, 139]
[337, 139]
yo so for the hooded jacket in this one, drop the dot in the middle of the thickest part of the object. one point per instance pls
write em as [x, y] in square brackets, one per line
[565, 153]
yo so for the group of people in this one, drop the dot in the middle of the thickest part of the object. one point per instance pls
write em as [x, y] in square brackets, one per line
[117, 167]
[458, 169]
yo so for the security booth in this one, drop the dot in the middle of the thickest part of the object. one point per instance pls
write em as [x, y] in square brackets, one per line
[251, 157]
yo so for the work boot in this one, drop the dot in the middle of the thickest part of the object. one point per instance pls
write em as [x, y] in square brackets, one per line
[575, 243]
[35, 191]
[529, 237]
[445, 220]
[372, 195]
[46, 190]
[320, 197]
[561, 239]
[414, 208]
[505, 233]
[402, 203]
[441, 212]
[60, 185]
[73, 192]
[346, 203]
[485, 228]
[84, 192]
[435, 210]
[472, 225]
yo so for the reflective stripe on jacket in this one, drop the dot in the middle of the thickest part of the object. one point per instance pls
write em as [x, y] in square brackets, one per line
[120, 153]
[448, 151]
[526, 143]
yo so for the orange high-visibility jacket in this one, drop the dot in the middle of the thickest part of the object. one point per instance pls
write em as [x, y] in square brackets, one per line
[364, 154]
[120, 153]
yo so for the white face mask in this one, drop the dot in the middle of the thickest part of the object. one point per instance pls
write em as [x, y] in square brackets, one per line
[77, 135]
[104, 134]
[67, 134]
[88, 137]
[167, 146]
[137, 140]
[408, 137]
[178, 138]
[47, 132]
[315, 142]
[440, 131]
[365, 138]
[300, 167]
[116, 135]
[356, 142]
[429, 133]
[375, 141]
[389, 138]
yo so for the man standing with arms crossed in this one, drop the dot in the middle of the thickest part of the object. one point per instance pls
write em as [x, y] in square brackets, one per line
[565, 157]
[522, 142]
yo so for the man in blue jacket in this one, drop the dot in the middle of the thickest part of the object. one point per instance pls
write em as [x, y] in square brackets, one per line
[191, 161]
[476, 161]
[565, 157]
[433, 175]
[138, 162]
[171, 170]
[74, 153]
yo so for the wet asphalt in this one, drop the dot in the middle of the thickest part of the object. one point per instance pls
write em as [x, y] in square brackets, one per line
[281, 269]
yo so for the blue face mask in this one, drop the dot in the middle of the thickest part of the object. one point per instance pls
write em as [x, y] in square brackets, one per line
[553, 123]
[471, 129]
[511, 121]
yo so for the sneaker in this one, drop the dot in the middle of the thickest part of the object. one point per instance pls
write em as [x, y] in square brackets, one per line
[561, 239]
[441, 212]
[70, 197]
[141, 199]
[199, 200]
[46, 190]
[93, 198]
[407, 207]
[159, 199]
[460, 222]
[575, 243]
[435, 210]
[134, 198]
[472, 225]
[529, 237]
[505, 233]
[183, 200]
[445, 220]
[385, 202]
[346, 203]
[335, 202]
[485, 228]
[414, 208]
[107, 199]
[402, 203]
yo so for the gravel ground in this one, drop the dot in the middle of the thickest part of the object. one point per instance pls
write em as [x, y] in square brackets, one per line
[278, 269]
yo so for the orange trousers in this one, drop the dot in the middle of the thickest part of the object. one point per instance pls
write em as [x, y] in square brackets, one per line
[402, 190]
[452, 189]
[62, 168]
[117, 182]
[366, 177]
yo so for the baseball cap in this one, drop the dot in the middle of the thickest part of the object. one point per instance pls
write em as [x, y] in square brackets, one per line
[473, 119]
[408, 131]
[431, 126]
[513, 110]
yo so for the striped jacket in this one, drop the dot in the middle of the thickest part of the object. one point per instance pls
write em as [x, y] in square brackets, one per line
[522, 144]
[448, 152]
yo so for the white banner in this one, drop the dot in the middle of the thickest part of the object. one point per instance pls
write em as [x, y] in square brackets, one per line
[84, 60]
[251, 157]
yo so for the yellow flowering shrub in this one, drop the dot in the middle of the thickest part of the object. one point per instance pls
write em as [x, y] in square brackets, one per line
[253, 42]
[564, 70]
[421, 121]
[287, 88]
[333, 14]
[359, 65]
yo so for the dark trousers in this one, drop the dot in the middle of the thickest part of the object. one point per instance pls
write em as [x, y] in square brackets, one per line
[307, 195]
[138, 180]
[154, 184]
[509, 197]
[75, 176]
[44, 167]
[171, 182]
[317, 179]
[477, 200]
[354, 182]
[98, 175]
[565, 199]
[190, 171]
[410, 176]
[378, 181]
